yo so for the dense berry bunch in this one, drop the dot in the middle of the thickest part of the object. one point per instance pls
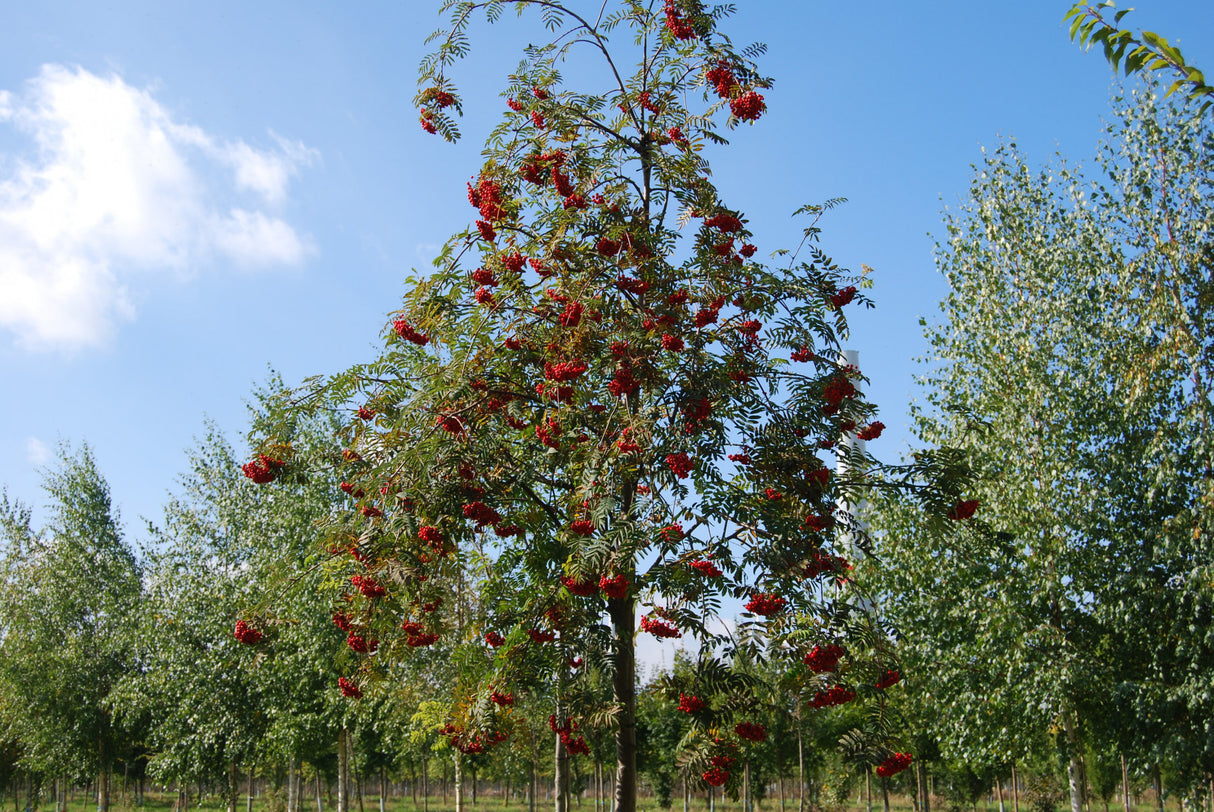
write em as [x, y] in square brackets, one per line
[246, 633]
[679, 27]
[834, 695]
[895, 764]
[679, 463]
[706, 568]
[659, 628]
[964, 509]
[750, 731]
[690, 703]
[766, 604]
[824, 658]
[368, 586]
[615, 587]
[263, 469]
[872, 431]
[405, 330]
[843, 297]
[349, 688]
[888, 679]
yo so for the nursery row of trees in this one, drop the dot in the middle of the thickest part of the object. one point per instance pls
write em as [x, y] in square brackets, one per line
[585, 426]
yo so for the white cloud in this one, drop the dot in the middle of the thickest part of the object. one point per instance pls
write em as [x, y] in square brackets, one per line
[115, 190]
[36, 451]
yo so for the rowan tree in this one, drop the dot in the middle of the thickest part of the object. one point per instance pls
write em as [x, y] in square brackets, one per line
[601, 404]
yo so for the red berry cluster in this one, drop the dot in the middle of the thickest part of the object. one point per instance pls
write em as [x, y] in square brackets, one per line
[690, 703]
[824, 658]
[706, 568]
[895, 764]
[659, 628]
[368, 586]
[494, 639]
[676, 24]
[766, 604]
[582, 527]
[263, 469]
[888, 679]
[349, 688]
[718, 771]
[541, 636]
[501, 699]
[246, 633]
[576, 747]
[615, 587]
[360, 644]
[872, 431]
[822, 562]
[834, 695]
[585, 589]
[679, 463]
[964, 509]
[486, 196]
[750, 731]
[838, 388]
[843, 297]
[722, 78]
[406, 331]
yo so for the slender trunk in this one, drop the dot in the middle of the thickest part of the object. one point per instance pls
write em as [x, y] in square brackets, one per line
[781, 779]
[531, 786]
[885, 794]
[624, 690]
[358, 781]
[292, 785]
[800, 762]
[746, 807]
[868, 790]
[233, 786]
[1016, 790]
[999, 789]
[1074, 765]
[686, 796]
[1158, 776]
[425, 784]
[560, 760]
[319, 806]
[383, 788]
[1125, 785]
[458, 762]
[343, 772]
[925, 787]
[103, 789]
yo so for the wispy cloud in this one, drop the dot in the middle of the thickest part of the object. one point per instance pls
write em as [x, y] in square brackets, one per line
[116, 189]
[36, 451]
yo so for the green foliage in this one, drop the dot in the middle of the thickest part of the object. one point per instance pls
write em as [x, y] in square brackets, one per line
[1141, 53]
[67, 595]
[1071, 366]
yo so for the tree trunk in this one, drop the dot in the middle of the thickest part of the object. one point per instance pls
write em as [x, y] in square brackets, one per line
[885, 794]
[925, 789]
[1074, 764]
[1158, 776]
[746, 802]
[425, 784]
[560, 769]
[868, 790]
[343, 772]
[458, 762]
[1016, 790]
[623, 680]
[1125, 785]
[233, 786]
[292, 785]
[103, 789]
[383, 788]
[800, 762]
[319, 805]
[999, 789]
[531, 786]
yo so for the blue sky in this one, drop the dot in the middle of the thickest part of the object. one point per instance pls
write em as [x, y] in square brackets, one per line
[192, 193]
